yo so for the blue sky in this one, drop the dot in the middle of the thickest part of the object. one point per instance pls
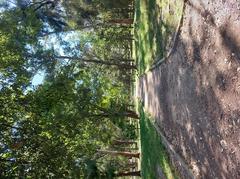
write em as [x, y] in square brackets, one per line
[51, 42]
[38, 79]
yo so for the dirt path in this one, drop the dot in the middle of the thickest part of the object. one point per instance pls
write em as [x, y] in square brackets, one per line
[195, 95]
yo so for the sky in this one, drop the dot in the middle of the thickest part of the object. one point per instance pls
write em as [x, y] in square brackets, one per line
[38, 78]
[52, 42]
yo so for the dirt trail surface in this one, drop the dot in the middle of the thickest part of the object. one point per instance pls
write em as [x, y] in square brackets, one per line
[195, 94]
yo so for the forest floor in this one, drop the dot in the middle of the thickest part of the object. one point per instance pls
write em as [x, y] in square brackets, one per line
[155, 24]
[194, 96]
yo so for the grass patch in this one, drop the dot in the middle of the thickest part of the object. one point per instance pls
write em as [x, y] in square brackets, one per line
[155, 24]
[153, 153]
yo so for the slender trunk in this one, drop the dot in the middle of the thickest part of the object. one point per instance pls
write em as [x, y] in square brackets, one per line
[90, 26]
[124, 154]
[43, 3]
[108, 115]
[103, 25]
[123, 59]
[127, 148]
[119, 142]
[122, 10]
[44, 34]
[125, 174]
[132, 165]
[131, 114]
[121, 21]
[126, 66]
[129, 38]
[126, 114]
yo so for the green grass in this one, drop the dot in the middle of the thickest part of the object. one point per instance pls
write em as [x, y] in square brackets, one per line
[153, 153]
[155, 23]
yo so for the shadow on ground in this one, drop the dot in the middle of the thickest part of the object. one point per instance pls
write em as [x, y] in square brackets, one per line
[194, 95]
[155, 24]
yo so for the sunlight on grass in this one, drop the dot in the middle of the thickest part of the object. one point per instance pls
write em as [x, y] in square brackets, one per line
[153, 153]
[155, 24]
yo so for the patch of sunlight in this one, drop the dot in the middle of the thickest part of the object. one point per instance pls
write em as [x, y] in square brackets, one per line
[154, 154]
[155, 25]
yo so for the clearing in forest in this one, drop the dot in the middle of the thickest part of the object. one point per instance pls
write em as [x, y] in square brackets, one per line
[156, 23]
[194, 94]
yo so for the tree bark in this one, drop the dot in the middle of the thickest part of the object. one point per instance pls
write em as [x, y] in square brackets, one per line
[121, 21]
[124, 114]
[126, 66]
[124, 154]
[125, 174]
[132, 165]
[132, 114]
[106, 113]
[119, 142]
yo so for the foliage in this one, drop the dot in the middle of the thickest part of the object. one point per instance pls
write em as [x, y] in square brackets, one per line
[55, 129]
[56, 126]
[16, 33]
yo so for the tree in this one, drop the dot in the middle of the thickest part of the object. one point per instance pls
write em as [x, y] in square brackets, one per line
[16, 33]
[124, 174]
[56, 129]
[122, 142]
[125, 154]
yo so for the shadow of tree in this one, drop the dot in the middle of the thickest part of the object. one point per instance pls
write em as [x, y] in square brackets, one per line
[154, 33]
[183, 96]
[230, 42]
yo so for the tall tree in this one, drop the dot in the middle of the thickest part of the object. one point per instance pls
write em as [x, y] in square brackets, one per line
[53, 130]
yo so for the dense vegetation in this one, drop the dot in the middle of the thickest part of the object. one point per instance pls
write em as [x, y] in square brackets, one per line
[79, 120]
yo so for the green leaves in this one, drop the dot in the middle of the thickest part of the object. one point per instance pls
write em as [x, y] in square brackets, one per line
[49, 131]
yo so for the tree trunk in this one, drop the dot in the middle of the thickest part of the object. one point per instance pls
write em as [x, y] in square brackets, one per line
[129, 38]
[132, 165]
[125, 174]
[125, 114]
[103, 62]
[119, 142]
[107, 113]
[124, 154]
[131, 114]
[121, 21]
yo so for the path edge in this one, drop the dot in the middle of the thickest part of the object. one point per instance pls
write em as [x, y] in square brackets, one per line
[176, 160]
[176, 34]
